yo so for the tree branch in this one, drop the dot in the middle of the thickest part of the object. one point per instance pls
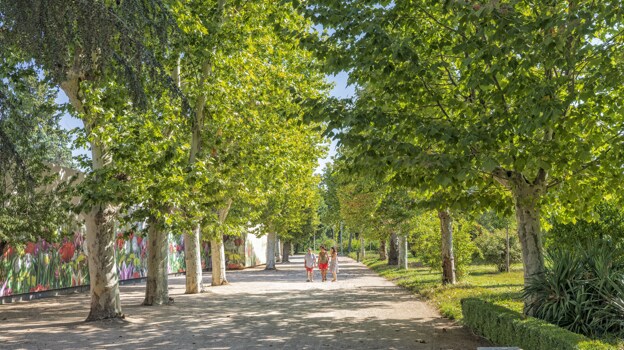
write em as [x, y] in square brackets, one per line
[502, 176]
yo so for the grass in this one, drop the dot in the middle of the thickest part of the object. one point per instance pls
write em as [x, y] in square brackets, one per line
[480, 281]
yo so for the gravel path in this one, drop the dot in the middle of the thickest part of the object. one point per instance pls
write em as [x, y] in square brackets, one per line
[258, 309]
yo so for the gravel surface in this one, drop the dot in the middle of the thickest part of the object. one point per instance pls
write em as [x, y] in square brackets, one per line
[258, 310]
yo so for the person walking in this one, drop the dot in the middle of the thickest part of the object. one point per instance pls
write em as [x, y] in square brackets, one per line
[333, 264]
[323, 262]
[309, 261]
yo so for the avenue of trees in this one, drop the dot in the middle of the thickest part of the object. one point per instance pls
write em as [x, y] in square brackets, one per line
[503, 105]
[193, 114]
[203, 117]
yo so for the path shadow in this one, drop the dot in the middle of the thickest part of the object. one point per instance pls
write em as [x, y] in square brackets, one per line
[311, 317]
[204, 321]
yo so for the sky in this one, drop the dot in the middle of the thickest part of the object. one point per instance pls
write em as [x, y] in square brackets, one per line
[340, 90]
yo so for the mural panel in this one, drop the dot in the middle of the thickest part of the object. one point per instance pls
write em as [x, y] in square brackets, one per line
[39, 266]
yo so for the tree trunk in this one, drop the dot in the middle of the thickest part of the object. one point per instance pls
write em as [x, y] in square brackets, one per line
[278, 250]
[393, 252]
[217, 249]
[217, 255]
[340, 237]
[529, 233]
[507, 252]
[103, 275]
[99, 221]
[382, 250]
[448, 258]
[271, 239]
[287, 250]
[192, 258]
[362, 254]
[526, 197]
[403, 252]
[350, 240]
[157, 287]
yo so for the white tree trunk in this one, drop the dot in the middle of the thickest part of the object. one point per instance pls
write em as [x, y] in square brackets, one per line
[99, 222]
[103, 275]
[448, 258]
[403, 252]
[362, 254]
[157, 287]
[217, 252]
[217, 249]
[278, 249]
[192, 258]
[526, 195]
[271, 239]
[529, 232]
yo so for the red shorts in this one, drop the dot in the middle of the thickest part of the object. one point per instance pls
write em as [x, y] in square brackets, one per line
[309, 269]
[323, 266]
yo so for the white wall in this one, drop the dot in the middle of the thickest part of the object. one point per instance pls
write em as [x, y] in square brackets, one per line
[255, 250]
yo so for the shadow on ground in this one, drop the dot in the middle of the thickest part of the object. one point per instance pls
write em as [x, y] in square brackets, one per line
[259, 309]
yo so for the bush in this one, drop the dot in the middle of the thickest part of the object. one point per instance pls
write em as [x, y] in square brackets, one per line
[492, 248]
[509, 328]
[327, 243]
[581, 290]
[426, 241]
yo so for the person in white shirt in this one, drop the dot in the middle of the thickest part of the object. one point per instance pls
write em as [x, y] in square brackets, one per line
[309, 261]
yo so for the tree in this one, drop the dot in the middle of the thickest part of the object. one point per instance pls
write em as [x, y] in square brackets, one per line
[150, 153]
[465, 95]
[252, 80]
[82, 46]
[358, 202]
[33, 202]
[427, 245]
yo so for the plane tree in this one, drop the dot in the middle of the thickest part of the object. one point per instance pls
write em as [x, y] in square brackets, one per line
[82, 46]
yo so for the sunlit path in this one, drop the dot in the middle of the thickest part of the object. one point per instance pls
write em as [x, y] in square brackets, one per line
[259, 309]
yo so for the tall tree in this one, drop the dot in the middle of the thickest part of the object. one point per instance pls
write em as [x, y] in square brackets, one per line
[32, 201]
[82, 46]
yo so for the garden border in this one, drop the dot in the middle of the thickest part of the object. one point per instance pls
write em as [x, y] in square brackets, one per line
[506, 327]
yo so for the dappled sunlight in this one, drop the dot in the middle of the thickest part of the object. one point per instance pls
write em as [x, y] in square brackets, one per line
[258, 309]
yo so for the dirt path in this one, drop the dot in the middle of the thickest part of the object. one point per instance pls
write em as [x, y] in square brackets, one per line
[259, 309]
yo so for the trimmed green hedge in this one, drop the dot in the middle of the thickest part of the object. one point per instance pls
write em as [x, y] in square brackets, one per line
[509, 328]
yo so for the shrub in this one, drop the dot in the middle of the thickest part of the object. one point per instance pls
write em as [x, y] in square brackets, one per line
[582, 290]
[492, 248]
[328, 243]
[510, 328]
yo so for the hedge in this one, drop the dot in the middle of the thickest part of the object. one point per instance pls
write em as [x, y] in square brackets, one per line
[505, 327]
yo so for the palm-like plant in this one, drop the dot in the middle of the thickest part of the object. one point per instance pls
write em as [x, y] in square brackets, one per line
[581, 290]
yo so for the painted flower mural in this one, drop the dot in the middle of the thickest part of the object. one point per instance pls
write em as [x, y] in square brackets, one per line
[67, 251]
[41, 265]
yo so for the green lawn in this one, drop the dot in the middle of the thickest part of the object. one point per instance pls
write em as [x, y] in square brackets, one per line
[481, 281]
